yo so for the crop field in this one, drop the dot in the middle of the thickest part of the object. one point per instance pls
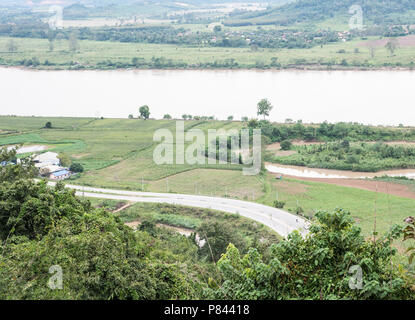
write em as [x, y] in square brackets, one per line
[114, 152]
[92, 53]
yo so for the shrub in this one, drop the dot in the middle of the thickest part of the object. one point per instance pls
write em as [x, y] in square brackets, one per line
[299, 210]
[286, 145]
[279, 204]
[76, 167]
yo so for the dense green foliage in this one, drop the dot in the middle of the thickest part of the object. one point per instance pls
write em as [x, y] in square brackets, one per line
[218, 236]
[316, 267]
[100, 258]
[76, 167]
[332, 132]
[357, 156]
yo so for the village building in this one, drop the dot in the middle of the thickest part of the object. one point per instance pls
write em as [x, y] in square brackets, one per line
[60, 175]
[48, 164]
[47, 158]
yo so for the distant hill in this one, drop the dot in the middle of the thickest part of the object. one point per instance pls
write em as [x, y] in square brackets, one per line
[374, 11]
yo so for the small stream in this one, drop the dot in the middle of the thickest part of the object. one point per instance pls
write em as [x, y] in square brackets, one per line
[304, 172]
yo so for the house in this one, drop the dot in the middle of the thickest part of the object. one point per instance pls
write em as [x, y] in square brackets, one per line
[60, 175]
[47, 158]
[46, 170]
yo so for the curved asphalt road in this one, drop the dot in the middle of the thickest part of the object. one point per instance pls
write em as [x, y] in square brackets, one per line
[279, 220]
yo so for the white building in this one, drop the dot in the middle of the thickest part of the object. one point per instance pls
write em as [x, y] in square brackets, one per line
[45, 159]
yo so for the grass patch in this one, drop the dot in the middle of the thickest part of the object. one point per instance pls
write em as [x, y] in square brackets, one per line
[187, 217]
[93, 53]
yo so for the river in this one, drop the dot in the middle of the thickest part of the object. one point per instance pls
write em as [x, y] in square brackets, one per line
[370, 97]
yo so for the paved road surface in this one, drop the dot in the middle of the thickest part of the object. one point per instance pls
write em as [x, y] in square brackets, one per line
[279, 220]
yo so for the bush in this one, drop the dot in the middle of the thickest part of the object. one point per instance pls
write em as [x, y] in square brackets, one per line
[315, 267]
[77, 168]
[279, 204]
[299, 210]
[286, 145]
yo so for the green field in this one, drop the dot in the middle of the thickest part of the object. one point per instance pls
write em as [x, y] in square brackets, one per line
[92, 53]
[117, 153]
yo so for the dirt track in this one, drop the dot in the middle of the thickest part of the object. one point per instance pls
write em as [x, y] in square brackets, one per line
[405, 41]
[370, 185]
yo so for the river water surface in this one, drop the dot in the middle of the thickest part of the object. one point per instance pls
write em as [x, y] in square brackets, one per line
[370, 97]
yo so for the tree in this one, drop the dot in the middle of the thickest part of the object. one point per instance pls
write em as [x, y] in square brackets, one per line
[73, 42]
[279, 204]
[11, 46]
[217, 28]
[391, 46]
[184, 117]
[274, 62]
[101, 258]
[48, 125]
[76, 167]
[264, 108]
[51, 39]
[244, 119]
[64, 159]
[23, 170]
[144, 112]
[372, 51]
[230, 118]
[130, 116]
[167, 117]
[317, 266]
[217, 237]
[286, 145]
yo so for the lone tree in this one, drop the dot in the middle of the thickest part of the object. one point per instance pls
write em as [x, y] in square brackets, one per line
[286, 145]
[76, 167]
[391, 46]
[217, 28]
[11, 46]
[264, 108]
[73, 42]
[144, 112]
[167, 116]
[48, 125]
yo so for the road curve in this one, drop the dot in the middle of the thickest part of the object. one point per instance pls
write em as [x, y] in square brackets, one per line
[279, 220]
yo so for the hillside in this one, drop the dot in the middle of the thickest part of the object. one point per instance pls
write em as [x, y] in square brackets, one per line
[376, 12]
